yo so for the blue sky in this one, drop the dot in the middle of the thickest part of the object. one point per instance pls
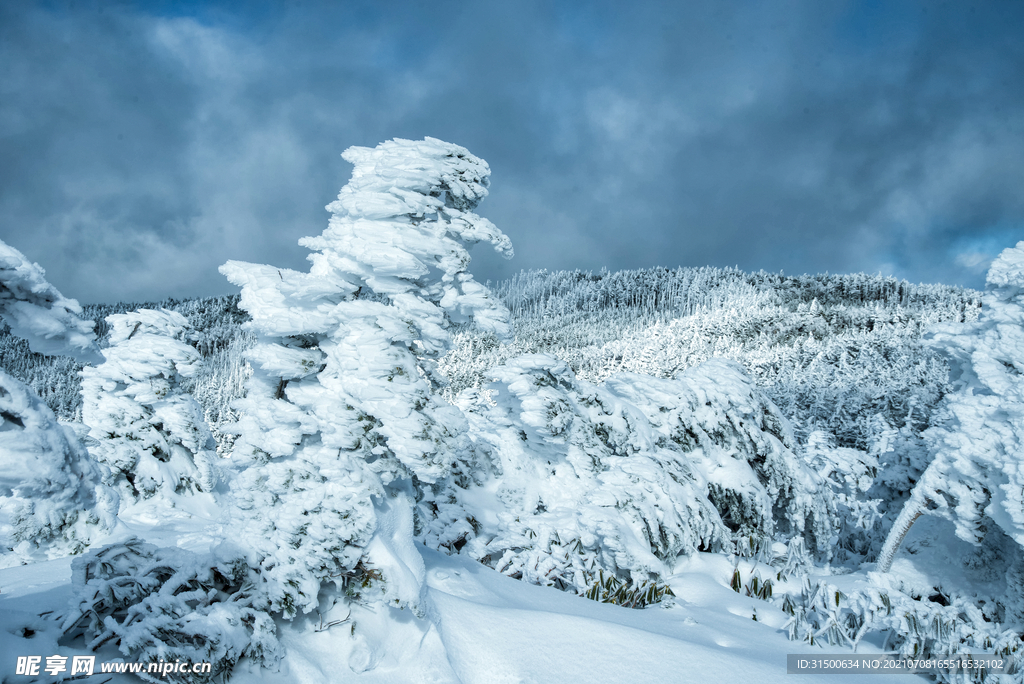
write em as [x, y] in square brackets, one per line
[144, 144]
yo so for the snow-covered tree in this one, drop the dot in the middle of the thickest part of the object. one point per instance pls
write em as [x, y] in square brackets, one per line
[52, 501]
[742, 444]
[340, 408]
[623, 477]
[37, 312]
[146, 429]
[976, 477]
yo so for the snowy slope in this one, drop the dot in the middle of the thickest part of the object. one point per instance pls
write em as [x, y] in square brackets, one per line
[482, 627]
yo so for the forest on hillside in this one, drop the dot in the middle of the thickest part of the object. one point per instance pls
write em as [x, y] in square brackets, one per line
[831, 350]
[841, 356]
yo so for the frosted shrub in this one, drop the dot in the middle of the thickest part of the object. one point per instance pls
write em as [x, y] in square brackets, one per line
[341, 429]
[170, 605]
[145, 427]
[52, 502]
[914, 627]
[610, 589]
[851, 476]
[742, 445]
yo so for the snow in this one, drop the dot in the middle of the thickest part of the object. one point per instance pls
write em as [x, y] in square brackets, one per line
[313, 553]
[483, 627]
[144, 427]
[978, 471]
[37, 312]
[52, 500]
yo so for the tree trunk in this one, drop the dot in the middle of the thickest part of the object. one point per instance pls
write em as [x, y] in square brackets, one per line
[912, 510]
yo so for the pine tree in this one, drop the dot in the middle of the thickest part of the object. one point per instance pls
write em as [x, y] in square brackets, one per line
[145, 427]
[341, 427]
[52, 501]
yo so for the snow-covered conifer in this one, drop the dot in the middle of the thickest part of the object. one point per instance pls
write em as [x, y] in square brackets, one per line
[51, 499]
[37, 312]
[976, 477]
[626, 476]
[340, 407]
[146, 429]
[742, 445]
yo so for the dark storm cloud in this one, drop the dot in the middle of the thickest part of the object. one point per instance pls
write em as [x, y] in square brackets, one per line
[145, 144]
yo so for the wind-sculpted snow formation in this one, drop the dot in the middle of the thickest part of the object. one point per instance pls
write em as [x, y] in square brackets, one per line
[145, 427]
[626, 476]
[52, 502]
[979, 459]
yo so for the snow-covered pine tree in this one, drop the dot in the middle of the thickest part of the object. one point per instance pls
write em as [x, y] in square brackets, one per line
[340, 407]
[743, 446]
[52, 501]
[976, 477]
[146, 429]
[36, 311]
[583, 483]
[623, 477]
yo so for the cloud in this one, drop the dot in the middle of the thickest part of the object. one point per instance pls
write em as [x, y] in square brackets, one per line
[975, 262]
[145, 147]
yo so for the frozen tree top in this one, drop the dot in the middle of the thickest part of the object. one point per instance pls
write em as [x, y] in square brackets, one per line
[145, 322]
[1007, 270]
[37, 312]
[401, 227]
[429, 167]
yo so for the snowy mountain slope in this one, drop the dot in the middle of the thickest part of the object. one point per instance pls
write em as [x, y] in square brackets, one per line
[483, 627]
[810, 341]
[854, 336]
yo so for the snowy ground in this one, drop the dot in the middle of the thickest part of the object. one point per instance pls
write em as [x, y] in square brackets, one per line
[480, 627]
